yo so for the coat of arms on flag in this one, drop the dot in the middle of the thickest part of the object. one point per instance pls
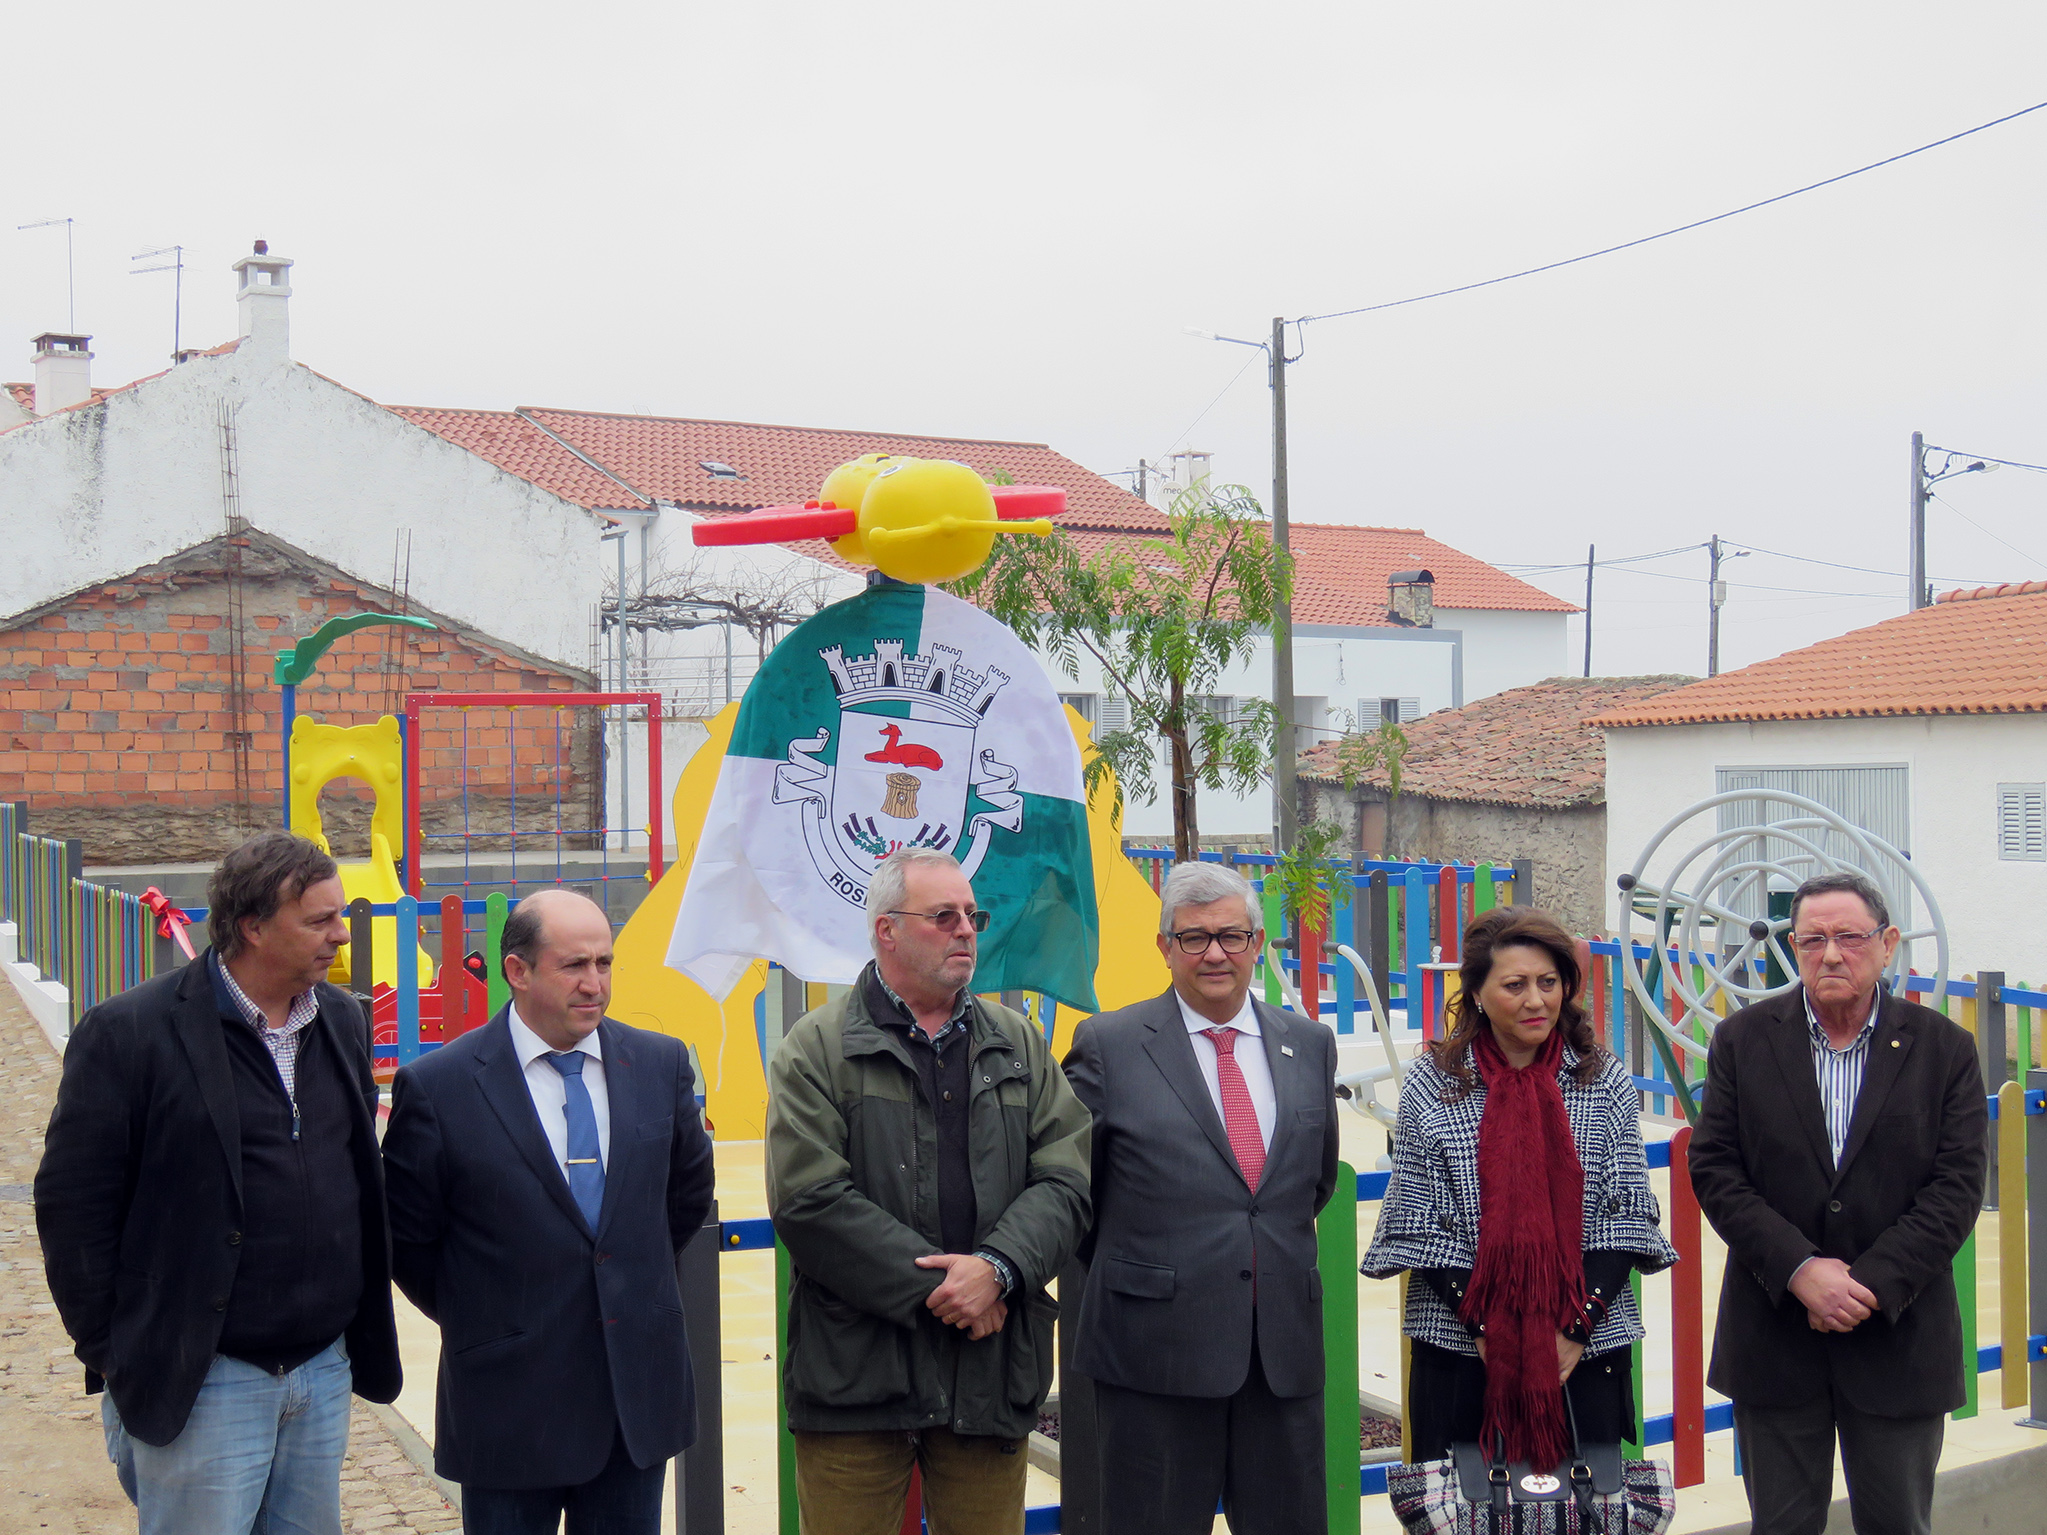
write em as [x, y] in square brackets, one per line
[902, 717]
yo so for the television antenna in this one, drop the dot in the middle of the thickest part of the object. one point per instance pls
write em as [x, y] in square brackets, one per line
[70, 267]
[175, 265]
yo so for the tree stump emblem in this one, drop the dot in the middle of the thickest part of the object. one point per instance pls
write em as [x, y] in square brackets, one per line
[901, 802]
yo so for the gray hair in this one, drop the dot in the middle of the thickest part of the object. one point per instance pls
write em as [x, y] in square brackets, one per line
[1846, 882]
[892, 877]
[1197, 884]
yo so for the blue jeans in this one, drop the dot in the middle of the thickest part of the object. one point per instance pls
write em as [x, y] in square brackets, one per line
[260, 1454]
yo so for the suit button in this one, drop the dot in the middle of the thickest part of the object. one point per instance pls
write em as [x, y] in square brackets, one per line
[602, 1256]
[1834, 1205]
[1446, 1223]
[234, 1239]
[220, 1303]
[1244, 1274]
[1613, 1207]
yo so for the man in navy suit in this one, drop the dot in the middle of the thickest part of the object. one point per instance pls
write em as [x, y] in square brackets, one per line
[544, 1173]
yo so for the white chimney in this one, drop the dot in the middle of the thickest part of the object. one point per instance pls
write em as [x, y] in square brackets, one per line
[263, 297]
[63, 371]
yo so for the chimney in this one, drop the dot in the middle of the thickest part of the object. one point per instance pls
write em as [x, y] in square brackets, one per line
[262, 297]
[63, 371]
[1411, 598]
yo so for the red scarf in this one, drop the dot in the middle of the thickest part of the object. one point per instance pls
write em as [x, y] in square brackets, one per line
[1530, 1279]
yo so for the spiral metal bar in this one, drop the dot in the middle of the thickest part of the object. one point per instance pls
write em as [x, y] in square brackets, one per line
[1736, 862]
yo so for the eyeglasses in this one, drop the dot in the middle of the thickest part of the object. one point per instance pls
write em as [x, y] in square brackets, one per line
[1813, 945]
[1233, 940]
[946, 918]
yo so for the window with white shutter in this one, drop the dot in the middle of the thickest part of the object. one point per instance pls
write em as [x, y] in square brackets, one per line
[1082, 704]
[1112, 712]
[1369, 714]
[1410, 710]
[2022, 820]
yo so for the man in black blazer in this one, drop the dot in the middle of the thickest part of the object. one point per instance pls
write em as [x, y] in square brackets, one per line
[1840, 1155]
[1214, 1148]
[211, 1207]
[545, 1172]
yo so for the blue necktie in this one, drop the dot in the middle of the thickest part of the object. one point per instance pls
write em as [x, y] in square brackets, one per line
[586, 1167]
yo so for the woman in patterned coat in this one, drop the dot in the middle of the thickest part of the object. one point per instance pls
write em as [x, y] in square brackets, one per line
[1520, 1202]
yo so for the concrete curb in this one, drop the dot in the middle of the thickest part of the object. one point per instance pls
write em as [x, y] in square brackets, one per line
[416, 1450]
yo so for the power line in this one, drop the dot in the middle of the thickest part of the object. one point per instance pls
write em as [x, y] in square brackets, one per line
[1895, 575]
[1421, 298]
[1211, 405]
[1972, 522]
[2009, 463]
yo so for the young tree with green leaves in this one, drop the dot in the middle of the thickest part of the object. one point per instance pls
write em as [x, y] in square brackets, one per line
[1165, 617]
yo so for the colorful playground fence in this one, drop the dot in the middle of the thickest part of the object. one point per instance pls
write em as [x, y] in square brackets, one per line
[91, 939]
[97, 941]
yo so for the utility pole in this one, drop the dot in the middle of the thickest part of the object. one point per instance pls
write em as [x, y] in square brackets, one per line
[1284, 759]
[1716, 593]
[1140, 482]
[1590, 551]
[1915, 553]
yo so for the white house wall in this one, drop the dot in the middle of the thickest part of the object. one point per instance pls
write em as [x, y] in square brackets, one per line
[1955, 763]
[1505, 649]
[92, 493]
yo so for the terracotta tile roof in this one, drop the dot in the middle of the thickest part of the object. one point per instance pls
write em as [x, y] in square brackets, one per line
[24, 395]
[1533, 747]
[663, 457]
[518, 447]
[1340, 573]
[1343, 570]
[1973, 652]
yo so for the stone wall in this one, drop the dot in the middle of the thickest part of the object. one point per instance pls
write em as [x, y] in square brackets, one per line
[116, 721]
[1568, 847]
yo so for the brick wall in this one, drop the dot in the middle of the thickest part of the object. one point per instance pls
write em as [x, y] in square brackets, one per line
[114, 713]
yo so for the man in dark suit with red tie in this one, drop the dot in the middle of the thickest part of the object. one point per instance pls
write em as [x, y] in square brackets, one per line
[1840, 1154]
[545, 1171]
[1214, 1147]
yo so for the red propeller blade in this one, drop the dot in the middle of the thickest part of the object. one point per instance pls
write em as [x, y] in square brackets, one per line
[775, 525]
[1016, 501]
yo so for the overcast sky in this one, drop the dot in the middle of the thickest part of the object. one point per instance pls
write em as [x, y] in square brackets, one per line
[997, 220]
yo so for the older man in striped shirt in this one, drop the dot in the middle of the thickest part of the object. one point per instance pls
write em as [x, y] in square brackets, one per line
[1840, 1153]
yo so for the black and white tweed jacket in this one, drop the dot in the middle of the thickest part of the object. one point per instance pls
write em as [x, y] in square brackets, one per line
[1430, 1216]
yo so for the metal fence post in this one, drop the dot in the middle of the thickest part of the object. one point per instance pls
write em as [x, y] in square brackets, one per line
[1524, 882]
[1990, 1045]
[71, 967]
[700, 1470]
[1080, 1460]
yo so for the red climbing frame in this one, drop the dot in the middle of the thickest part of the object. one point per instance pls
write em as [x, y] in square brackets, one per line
[414, 702]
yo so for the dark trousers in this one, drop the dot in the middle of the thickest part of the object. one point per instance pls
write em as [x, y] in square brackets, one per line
[1167, 1460]
[1446, 1398]
[622, 1499]
[1787, 1464]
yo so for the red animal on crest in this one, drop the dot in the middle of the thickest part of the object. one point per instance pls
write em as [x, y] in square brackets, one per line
[899, 755]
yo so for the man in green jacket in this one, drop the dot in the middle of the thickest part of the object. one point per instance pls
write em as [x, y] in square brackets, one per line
[928, 1172]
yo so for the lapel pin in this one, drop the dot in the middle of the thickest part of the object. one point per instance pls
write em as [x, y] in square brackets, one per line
[1894, 1044]
[1286, 1049]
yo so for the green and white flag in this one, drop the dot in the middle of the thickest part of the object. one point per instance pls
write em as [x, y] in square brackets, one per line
[902, 717]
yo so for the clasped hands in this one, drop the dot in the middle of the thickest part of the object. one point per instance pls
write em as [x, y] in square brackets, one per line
[1834, 1300]
[970, 1297]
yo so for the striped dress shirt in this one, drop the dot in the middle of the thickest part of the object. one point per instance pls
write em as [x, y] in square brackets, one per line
[1840, 1071]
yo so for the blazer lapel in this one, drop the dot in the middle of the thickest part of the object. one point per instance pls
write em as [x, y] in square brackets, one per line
[198, 1024]
[622, 1096]
[1791, 1041]
[1888, 1046]
[1286, 1077]
[1173, 1053]
[503, 1086]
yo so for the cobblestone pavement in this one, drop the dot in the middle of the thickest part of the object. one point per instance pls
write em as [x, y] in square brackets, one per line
[58, 1477]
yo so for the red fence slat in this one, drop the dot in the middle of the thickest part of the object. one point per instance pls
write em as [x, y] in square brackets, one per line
[1687, 1321]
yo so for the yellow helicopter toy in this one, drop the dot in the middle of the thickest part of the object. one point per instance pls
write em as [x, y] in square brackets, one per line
[914, 519]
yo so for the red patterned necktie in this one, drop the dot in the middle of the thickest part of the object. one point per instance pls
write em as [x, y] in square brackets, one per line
[1240, 1119]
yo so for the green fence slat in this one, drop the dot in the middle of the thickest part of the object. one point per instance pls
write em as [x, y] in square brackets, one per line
[494, 908]
[1336, 1247]
[1965, 1291]
[788, 1519]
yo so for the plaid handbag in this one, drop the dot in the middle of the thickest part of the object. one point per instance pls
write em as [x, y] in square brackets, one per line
[1594, 1493]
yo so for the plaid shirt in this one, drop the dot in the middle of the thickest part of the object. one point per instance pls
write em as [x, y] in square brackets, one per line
[283, 1044]
[1430, 1216]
